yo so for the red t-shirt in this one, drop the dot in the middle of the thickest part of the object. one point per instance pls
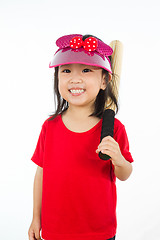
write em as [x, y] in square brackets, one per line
[79, 190]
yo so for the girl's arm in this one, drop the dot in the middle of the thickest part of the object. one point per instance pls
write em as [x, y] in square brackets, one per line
[37, 193]
[124, 170]
[35, 227]
[122, 167]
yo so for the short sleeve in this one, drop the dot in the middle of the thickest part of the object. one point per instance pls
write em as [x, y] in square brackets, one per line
[122, 139]
[38, 155]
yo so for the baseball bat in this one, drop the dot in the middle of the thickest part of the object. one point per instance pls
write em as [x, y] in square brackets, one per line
[110, 108]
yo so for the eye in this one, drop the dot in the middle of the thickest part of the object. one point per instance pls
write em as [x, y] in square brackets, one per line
[66, 71]
[86, 70]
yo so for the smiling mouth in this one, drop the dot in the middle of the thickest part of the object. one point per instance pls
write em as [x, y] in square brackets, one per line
[76, 92]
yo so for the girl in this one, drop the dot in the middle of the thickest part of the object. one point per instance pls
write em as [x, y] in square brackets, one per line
[74, 190]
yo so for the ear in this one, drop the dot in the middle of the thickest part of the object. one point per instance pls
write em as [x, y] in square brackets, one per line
[110, 77]
[103, 84]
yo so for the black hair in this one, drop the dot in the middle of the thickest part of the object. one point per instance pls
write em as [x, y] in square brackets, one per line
[101, 99]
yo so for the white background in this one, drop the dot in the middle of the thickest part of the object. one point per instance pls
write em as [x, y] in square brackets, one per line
[28, 31]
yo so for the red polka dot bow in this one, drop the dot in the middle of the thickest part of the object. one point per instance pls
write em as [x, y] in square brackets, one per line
[89, 44]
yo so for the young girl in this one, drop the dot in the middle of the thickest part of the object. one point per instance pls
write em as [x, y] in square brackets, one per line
[75, 190]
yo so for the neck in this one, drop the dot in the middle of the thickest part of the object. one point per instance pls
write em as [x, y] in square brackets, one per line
[79, 113]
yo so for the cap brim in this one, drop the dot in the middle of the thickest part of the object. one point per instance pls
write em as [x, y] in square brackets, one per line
[81, 56]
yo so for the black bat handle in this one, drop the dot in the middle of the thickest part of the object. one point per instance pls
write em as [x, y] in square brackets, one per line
[107, 129]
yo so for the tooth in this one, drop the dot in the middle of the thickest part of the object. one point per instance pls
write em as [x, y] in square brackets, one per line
[77, 91]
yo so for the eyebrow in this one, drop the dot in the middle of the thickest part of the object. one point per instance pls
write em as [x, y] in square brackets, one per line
[96, 67]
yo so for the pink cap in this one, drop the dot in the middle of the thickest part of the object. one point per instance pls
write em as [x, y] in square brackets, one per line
[72, 49]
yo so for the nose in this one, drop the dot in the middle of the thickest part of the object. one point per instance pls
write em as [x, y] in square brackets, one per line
[76, 77]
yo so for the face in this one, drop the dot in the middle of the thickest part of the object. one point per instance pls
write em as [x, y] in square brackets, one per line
[79, 84]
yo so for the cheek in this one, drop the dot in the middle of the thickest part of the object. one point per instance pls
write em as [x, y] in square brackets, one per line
[93, 90]
[62, 87]
[61, 83]
[94, 84]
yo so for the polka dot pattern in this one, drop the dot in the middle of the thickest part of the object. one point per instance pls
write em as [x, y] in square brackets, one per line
[63, 41]
[89, 44]
[76, 42]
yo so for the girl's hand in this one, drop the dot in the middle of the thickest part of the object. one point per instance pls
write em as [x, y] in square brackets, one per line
[34, 230]
[110, 147]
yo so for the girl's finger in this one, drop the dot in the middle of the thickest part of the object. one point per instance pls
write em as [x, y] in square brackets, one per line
[37, 236]
[32, 238]
[108, 138]
[105, 151]
[111, 150]
[107, 145]
[31, 235]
